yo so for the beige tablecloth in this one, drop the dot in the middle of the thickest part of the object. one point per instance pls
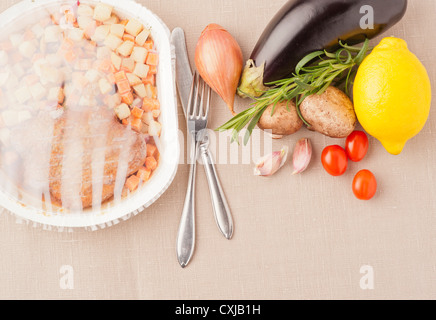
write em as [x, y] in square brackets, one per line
[296, 237]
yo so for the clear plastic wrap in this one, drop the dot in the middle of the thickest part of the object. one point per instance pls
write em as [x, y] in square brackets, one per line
[86, 96]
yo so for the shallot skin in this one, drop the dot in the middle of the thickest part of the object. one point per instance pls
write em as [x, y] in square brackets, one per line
[219, 60]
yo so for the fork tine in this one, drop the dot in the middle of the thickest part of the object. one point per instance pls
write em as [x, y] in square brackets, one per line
[197, 90]
[191, 96]
[203, 88]
[209, 93]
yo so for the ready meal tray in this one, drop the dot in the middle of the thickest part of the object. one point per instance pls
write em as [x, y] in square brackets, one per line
[88, 111]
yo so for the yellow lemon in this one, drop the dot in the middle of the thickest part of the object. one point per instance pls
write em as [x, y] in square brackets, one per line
[392, 94]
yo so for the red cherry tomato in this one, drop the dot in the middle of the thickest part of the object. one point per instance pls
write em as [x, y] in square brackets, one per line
[357, 146]
[364, 185]
[334, 160]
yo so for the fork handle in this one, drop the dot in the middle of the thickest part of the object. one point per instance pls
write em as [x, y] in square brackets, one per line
[221, 208]
[186, 235]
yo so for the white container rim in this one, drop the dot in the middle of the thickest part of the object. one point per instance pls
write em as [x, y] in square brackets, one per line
[169, 140]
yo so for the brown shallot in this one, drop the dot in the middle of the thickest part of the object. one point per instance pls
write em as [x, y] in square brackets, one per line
[219, 60]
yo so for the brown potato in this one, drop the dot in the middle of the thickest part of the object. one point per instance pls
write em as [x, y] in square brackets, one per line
[331, 113]
[283, 122]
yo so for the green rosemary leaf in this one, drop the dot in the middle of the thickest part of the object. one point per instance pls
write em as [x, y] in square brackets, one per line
[347, 82]
[340, 57]
[304, 85]
[349, 48]
[361, 55]
[251, 127]
[307, 59]
[329, 55]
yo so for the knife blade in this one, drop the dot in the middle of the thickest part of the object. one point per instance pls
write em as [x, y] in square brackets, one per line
[184, 75]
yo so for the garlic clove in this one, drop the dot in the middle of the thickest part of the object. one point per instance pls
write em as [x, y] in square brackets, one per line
[270, 164]
[302, 156]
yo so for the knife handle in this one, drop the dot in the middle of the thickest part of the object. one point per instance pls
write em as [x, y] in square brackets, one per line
[186, 235]
[221, 208]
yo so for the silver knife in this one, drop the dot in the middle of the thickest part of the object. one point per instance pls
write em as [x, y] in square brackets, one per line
[184, 79]
[183, 68]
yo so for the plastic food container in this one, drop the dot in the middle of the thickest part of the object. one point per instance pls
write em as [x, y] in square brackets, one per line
[112, 211]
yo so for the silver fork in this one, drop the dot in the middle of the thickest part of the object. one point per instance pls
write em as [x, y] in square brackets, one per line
[196, 118]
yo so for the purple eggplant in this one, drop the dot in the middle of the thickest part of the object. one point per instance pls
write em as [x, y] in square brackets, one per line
[305, 26]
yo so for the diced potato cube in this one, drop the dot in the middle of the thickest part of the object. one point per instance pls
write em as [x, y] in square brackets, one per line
[149, 91]
[139, 54]
[128, 64]
[122, 111]
[100, 33]
[24, 116]
[113, 101]
[85, 10]
[4, 58]
[142, 37]
[38, 30]
[38, 91]
[126, 48]
[53, 94]
[76, 34]
[55, 60]
[103, 53]
[50, 74]
[79, 80]
[133, 27]
[92, 75]
[27, 49]
[133, 79]
[140, 90]
[156, 113]
[112, 20]
[112, 41]
[117, 30]
[141, 70]
[52, 34]
[147, 118]
[144, 129]
[22, 94]
[90, 30]
[116, 60]
[154, 129]
[38, 65]
[105, 86]
[84, 22]
[102, 12]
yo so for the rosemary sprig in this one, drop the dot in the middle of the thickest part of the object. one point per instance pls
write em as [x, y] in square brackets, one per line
[313, 75]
